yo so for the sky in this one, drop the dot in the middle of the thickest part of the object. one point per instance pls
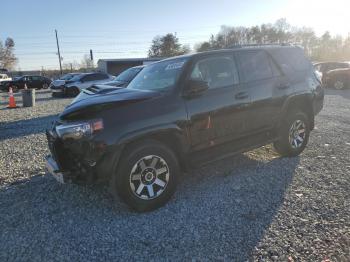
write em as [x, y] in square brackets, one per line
[125, 29]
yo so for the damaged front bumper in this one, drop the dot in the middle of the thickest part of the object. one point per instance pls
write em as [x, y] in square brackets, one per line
[52, 168]
[79, 162]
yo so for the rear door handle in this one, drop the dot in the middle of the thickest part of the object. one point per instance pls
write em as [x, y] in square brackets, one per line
[283, 86]
[241, 95]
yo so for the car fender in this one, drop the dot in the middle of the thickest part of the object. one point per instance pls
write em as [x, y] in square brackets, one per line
[170, 129]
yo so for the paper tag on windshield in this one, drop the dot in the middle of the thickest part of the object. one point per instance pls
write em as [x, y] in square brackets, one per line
[175, 66]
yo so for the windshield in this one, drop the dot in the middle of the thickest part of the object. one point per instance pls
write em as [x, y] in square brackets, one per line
[159, 76]
[67, 77]
[128, 74]
[76, 78]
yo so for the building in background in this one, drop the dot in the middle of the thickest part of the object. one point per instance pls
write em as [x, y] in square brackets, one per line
[116, 66]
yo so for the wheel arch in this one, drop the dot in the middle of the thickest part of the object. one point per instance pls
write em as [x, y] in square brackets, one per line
[171, 136]
[303, 103]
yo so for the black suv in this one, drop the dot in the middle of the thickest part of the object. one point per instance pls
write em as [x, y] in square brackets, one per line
[182, 112]
[37, 82]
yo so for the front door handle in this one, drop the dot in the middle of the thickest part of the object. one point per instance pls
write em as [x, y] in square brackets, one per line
[241, 95]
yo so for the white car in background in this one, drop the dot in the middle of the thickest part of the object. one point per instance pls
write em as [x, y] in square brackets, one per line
[5, 77]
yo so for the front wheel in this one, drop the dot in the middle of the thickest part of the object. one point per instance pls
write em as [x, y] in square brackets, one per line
[72, 91]
[146, 177]
[293, 135]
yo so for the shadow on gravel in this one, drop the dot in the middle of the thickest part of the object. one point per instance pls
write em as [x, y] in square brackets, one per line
[220, 212]
[26, 127]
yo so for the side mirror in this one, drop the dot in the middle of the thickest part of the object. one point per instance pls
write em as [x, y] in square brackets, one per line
[196, 87]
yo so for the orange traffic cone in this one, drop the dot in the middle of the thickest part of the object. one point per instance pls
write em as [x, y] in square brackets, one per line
[12, 102]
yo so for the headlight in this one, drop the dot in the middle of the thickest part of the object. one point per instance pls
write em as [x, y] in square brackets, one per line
[79, 130]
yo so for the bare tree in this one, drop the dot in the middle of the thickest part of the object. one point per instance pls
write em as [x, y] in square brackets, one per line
[86, 62]
[8, 59]
[326, 47]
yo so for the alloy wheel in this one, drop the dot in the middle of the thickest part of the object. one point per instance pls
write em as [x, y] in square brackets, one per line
[297, 134]
[149, 177]
[339, 85]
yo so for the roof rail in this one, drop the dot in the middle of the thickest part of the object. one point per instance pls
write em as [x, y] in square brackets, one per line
[260, 45]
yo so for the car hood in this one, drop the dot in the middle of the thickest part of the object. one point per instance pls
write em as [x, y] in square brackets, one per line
[117, 83]
[100, 97]
[58, 82]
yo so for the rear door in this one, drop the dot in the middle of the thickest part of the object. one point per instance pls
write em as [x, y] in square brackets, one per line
[267, 88]
[36, 82]
[29, 81]
[219, 114]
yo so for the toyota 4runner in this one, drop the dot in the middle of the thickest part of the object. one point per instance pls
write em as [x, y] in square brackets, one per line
[182, 112]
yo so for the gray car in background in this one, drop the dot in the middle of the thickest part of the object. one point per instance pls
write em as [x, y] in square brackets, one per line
[125, 77]
[75, 84]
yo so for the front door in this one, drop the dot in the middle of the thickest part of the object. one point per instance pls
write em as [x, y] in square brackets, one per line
[219, 114]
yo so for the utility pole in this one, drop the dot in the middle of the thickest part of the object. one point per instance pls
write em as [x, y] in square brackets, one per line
[71, 67]
[58, 52]
[92, 58]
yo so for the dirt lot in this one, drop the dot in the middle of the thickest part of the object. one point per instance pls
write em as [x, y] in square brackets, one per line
[255, 206]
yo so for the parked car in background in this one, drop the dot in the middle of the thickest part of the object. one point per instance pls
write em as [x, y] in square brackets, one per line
[4, 77]
[325, 67]
[182, 112]
[37, 82]
[337, 79]
[74, 85]
[124, 78]
[58, 85]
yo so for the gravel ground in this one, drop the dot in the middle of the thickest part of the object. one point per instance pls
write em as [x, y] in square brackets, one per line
[255, 206]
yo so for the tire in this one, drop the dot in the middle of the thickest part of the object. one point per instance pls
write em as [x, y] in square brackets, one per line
[45, 86]
[146, 176]
[14, 89]
[72, 91]
[294, 134]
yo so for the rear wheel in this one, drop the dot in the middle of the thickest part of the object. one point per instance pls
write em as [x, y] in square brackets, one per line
[339, 84]
[14, 89]
[293, 134]
[146, 176]
[45, 86]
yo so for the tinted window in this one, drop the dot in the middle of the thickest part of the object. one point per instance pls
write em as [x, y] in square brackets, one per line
[275, 70]
[36, 78]
[91, 77]
[67, 77]
[291, 59]
[255, 65]
[217, 71]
